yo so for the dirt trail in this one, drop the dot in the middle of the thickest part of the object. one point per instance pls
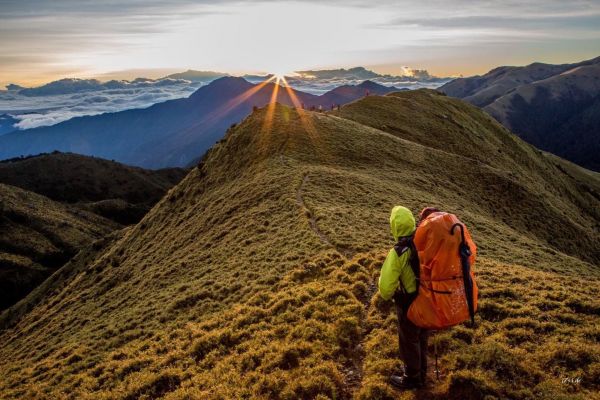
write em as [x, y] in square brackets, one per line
[312, 220]
[353, 369]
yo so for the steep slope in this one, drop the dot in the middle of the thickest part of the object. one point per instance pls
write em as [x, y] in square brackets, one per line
[37, 236]
[255, 276]
[560, 114]
[169, 134]
[110, 189]
[7, 123]
[553, 107]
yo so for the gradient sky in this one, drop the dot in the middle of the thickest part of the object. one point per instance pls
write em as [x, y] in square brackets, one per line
[45, 40]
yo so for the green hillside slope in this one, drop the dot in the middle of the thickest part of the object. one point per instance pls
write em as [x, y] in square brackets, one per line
[255, 277]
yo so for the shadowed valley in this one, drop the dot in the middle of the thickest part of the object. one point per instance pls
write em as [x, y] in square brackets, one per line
[54, 205]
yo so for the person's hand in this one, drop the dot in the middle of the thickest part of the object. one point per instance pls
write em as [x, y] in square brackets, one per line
[382, 306]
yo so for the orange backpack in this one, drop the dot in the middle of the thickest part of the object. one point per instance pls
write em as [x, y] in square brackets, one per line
[447, 292]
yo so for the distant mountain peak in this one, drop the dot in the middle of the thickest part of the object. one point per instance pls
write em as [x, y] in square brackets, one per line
[196, 76]
[226, 82]
[229, 78]
[14, 87]
[368, 84]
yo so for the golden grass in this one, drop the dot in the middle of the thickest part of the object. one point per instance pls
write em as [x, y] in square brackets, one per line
[255, 277]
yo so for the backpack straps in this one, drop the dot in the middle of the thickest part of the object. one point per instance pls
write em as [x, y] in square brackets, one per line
[404, 244]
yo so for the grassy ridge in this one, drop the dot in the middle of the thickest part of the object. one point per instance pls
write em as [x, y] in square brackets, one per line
[255, 276]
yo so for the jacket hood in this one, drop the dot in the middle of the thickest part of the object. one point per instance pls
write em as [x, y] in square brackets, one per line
[402, 222]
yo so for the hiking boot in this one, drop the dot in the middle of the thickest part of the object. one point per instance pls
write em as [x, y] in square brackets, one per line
[406, 382]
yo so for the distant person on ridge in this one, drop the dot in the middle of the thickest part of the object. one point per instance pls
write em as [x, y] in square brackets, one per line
[398, 281]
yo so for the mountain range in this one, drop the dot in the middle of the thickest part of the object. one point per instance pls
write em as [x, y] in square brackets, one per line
[554, 107]
[299, 78]
[173, 133]
[361, 73]
[196, 76]
[74, 85]
[256, 276]
[67, 98]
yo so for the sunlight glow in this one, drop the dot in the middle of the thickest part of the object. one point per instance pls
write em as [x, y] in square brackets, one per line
[304, 118]
[268, 122]
[281, 74]
[236, 101]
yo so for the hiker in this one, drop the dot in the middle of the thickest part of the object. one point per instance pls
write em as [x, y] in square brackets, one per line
[398, 281]
[434, 288]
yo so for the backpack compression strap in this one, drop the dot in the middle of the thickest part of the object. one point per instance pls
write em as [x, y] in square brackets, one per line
[465, 252]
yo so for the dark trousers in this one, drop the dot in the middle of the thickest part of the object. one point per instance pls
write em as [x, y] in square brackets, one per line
[413, 345]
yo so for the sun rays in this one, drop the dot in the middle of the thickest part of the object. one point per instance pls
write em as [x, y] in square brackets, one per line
[288, 96]
[236, 101]
[305, 120]
[268, 122]
[274, 89]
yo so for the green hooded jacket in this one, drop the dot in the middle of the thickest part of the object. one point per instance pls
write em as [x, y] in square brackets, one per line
[396, 269]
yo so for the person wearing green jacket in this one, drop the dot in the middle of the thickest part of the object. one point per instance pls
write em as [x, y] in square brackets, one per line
[398, 281]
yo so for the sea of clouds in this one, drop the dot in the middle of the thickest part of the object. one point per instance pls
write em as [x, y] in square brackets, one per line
[67, 98]
[48, 109]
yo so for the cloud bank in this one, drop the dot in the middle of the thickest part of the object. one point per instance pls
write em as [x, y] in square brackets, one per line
[321, 81]
[62, 100]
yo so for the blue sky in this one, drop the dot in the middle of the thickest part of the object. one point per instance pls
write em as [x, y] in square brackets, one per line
[45, 40]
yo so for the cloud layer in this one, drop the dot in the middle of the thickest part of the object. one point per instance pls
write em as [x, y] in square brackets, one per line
[60, 101]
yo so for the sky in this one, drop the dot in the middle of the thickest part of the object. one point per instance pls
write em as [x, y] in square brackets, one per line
[44, 40]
